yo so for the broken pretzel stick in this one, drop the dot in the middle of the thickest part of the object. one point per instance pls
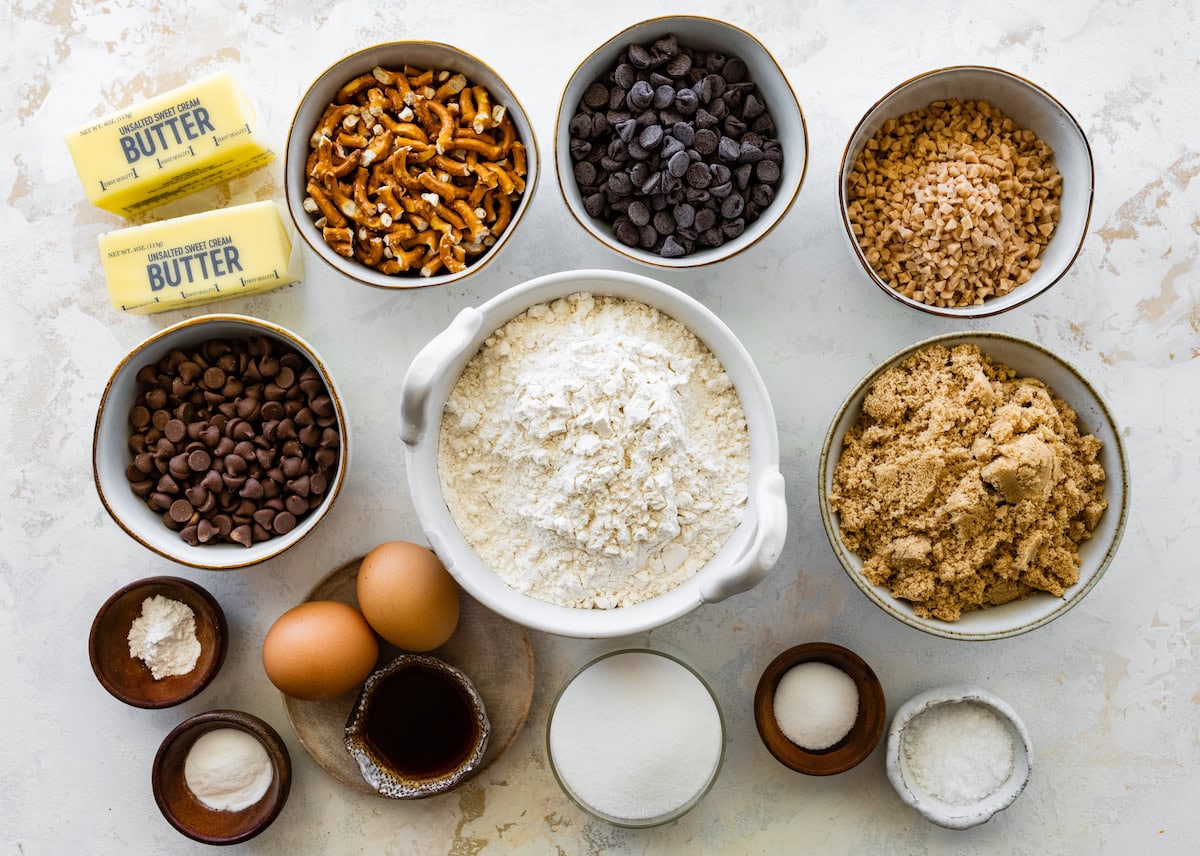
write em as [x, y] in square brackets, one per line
[414, 170]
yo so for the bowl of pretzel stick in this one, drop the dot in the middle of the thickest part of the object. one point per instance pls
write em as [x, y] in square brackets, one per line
[409, 164]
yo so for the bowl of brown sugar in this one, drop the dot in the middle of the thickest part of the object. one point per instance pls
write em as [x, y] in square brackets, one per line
[966, 191]
[974, 486]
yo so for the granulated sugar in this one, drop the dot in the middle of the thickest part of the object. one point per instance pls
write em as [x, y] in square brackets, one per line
[636, 736]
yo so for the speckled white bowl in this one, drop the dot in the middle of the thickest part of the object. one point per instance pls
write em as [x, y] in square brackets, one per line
[702, 34]
[752, 548]
[1030, 107]
[1018, 616]
[932, 808]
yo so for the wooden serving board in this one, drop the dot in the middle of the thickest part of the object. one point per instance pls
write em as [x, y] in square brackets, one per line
[494, 653]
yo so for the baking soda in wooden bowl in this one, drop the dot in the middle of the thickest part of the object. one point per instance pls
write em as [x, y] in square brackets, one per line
[636, 738]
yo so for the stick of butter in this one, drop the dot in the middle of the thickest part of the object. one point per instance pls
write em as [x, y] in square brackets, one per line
[176, 143]
[188, 261]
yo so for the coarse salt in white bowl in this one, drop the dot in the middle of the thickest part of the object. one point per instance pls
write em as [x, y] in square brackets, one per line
[976, 764]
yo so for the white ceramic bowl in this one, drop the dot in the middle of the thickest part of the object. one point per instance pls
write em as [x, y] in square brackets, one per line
[111, 455]
[1030, 107]
[393, 55]
[702, 34]
[931, 807]
[1020, 616]
[751, 550]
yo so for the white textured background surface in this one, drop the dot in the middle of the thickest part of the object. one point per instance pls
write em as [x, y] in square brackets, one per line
[1110, 692]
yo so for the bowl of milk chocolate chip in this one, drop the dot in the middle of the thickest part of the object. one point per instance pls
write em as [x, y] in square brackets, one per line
[593, 453]
[220, 442]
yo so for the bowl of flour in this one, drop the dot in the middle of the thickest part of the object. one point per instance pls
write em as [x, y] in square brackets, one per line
[593, 453]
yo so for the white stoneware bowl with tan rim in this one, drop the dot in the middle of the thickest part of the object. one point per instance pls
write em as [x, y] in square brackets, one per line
[1096, 553]
[741, 563]
[111, 455]
[394, 55]
[702, 34]
[1030, 107]
[929, 805]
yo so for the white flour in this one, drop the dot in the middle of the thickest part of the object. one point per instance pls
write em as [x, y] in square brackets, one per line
[164, 637]
[594, 453]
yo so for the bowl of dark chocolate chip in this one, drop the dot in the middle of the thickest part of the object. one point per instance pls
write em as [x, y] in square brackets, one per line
[220, 442]
[680, 142]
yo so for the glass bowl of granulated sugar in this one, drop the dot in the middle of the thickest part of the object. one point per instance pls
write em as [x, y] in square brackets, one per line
[594, 454]
[636, 738]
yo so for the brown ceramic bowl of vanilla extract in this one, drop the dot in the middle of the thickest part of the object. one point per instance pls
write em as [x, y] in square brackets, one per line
[419, 728]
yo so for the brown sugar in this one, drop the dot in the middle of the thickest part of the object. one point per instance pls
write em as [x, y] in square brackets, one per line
[963, 486]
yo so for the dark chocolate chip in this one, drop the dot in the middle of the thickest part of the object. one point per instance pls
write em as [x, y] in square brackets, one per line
[585, 173]
[767, 171]
[580, 149]
[651, 137]
[641, 95]
[594, 96]
[706, 141]
[672, 249]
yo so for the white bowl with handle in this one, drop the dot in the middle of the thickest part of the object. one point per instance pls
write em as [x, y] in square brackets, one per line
[1028, 359]
[751, 550]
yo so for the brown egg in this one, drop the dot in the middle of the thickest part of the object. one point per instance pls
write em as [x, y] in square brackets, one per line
[319, 650]
[408, 596]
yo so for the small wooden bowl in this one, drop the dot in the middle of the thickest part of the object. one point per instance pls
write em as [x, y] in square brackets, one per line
[863, 736]
[190, 816]
[128, 678]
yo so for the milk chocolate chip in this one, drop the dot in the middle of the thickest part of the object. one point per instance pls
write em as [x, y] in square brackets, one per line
[210, 425]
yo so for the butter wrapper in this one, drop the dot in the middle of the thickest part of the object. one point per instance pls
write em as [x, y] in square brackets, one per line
[173, 144]
[201, 258]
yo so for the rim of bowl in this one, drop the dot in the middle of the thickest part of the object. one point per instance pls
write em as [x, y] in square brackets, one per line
[335, 486]
[625, 823]
[919, 799]
[281, 764]
[202, 680]
[404, 283]
[964, 311]
[686, 261]
[885, 601]
[565, 619]
[873, 722]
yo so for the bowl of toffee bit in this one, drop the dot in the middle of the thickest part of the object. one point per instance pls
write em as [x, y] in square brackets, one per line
[974, 486]
[680, 142]
[220, 442]
[966, 191]
[409, 164]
